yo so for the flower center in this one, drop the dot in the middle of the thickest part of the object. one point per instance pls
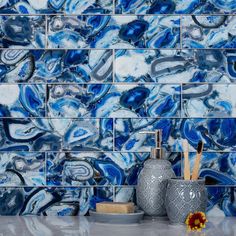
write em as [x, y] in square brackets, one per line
[197, 222]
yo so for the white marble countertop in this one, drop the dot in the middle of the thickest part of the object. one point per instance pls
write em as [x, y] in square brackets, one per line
[83, 226]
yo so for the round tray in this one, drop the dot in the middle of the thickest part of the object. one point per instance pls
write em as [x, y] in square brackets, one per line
[117, 218]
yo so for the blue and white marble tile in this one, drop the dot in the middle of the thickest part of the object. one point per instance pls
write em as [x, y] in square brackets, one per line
[22, 169]
[218, 168]
[93, 168]
[221, 201]
[107, 100]
[212, 31]
[217, 134]
[175, 6]
[22, 31]
[99, 168]
[175, 66]
[47, 66]
[101, 194]
[22, 100]
[45, 201]
[55, 134]
[107, 31]
[125, 194]
[209, 100]
[56, 6]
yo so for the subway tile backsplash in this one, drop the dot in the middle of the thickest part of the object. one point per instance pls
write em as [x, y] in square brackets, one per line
[80, 79]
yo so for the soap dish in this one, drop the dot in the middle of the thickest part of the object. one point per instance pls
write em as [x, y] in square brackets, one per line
[117, 218]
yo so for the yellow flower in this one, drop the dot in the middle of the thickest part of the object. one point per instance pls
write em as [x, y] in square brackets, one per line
[196, 221]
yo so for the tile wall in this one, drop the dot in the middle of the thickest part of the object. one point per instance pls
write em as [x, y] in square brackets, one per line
[80, 78]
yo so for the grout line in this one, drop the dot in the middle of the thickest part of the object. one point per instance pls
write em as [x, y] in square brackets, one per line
[45, 166]
[98, 186]
[113, 66]
[130, 49]
[119, 83]
[180, 30]
[114, 7]
[113, 14]
[46, 32]
[114, 135]
[124, 118]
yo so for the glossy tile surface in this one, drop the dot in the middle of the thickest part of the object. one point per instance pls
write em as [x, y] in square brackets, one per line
[208, 100]
[175, 7]
[212, 31]
[22, 100]
[99, 168]
[218, 168]
[55, 66]
[217, 134]
[79, 80]
[56, 6]
[113, 31]
[175, 66]
[109, 100]
[22, 169]
[55, 134]
[22, 31]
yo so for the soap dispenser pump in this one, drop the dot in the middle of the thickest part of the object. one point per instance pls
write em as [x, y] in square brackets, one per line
[152, 180]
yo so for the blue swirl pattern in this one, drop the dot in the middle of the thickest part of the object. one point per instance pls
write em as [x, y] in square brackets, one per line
[22, 100]
[53, 66]
[209, 31]
[22, 169]
[103, 168]
[22, 31]
[79, 80]
[107, 31]
[171, 66]
[217, 134]
[221, 199]
[53, 134]
[56, 6]
[218, 168]
[207, 100]
[97, 100]
[175, 7]
[45, 201]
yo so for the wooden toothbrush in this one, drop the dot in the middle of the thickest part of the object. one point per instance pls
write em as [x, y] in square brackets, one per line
[197, 161]
[186, 160]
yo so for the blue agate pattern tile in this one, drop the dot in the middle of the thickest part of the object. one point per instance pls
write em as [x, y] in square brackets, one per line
[99, 168]
[212, 31]
[55, 134]
[125, 194]
[107, 100]
[45, 201]
[218, 168]
[172, 66]
[208, 100]
[221, 201]
[174, 6]
[22, 100]
[22, 31]
[56, 6]
[107, 31]
[22, 169]
[46, 66]
[217, 134]
[93, 168]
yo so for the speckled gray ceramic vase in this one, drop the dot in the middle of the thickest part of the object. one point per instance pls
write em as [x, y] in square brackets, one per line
[151, 186]
[184, 197]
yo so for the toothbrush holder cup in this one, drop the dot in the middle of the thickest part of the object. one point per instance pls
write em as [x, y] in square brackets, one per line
[184, 197]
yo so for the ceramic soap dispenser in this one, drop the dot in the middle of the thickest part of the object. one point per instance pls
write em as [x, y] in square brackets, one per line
[152, 180]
